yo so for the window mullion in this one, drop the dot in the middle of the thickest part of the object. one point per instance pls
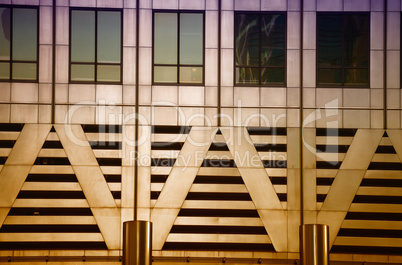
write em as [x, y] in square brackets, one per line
[11, 42]
[178, 48]
[96, 48]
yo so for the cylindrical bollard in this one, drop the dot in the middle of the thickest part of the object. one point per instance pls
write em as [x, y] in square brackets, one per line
[314, 244]
[137, 243]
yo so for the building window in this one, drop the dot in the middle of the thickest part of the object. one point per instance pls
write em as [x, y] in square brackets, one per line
[343, 49]
[260, 49]
[95, 43]
[18, 43]
[178, 55]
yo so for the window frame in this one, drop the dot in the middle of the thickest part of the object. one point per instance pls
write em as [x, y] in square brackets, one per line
[178, 65]
[260, 14]
[11, 61]
[95, 64]
[342, 85]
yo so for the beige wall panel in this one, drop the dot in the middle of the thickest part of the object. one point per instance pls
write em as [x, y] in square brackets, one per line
[309, 32]
[57, 220]
[377, 208]
[144, 96]
[145, 71]
[9, 135]
[377, 6]
[195, 4]
[144, 145]
[334, 220]
[385, 174]
[62, 67]
[293, 96]
[110, 4]
[109, 94]
[165, 4]
[386, 158]
[370, 241]
[192, 117]
[24, 93]
[393, 69]
[51, 170]
[164, 95]
[309, 66]
[61, 237]
[275, 222]
[309, 189]
[377, 69]
[211, 96]
[52, 153]
[227, 96]
[62, 186]
[5, 92]
[83, 94]
[211, 29]
[230, 221]
[247, 117]
[28, 144]
[164, 116]
[273, 118]
[5, 113]
[108, 220]
[362, 149]
[394, 119]
[227, 20]
[379, 191]
[377, 30]
[218, 238]
[144, 187]
[193, 204]
[45, 93]
[145, 37]
[76, 145]
[4, 152]
[351, 5]
[247, 5]
[359, 224]
[293, 119]
[162, 219]
[129, 26]
[330, 5]
[81, 203]
[109, 114]
[293, 32]
[227, 63]
[128, 138]
[62, 21]
[61, 93]
[272, 97]
[129, 65]
[329, 97]
[45, 63]
[393, 30]
[293, 230]
[356, 97]
[218, 188]
[393, 98]
[377, 98]
[211, 67]
[394, 5]
[273, 5]
[224, 171]
[309, 148]
[191, 96]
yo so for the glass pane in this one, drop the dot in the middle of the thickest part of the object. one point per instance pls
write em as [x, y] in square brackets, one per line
[4, 71]
[109, 37]
[247, 76]
[82, 72]
[273, 35]
[356, 77]
[165, 38]
[165, 74]
[191, 75]
[108, 73]
[273, 76]
[329, 40]
[247, 39]
[24, 71]
[24, 34]
[82, 36]
[329, 77]
[191, 38]
[356, 40]
[5, 33]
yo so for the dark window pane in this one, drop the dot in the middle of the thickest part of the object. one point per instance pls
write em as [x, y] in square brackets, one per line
[273, 76]
[5, 34]
[82, 36]
[329, 40]
[329, 77]
[24, 71]
[356, 40]
[165, 38]
[109, 37]
[247, 75]
[356, 77]
[273, 34]
[165, 74]
[4, 70]
[191, 75]
[108, 73]
[191, 38]
[247, 40]
[24, 34]
[82, 72]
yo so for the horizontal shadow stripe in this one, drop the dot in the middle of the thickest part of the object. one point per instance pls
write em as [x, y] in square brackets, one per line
[49, 229]
[50, 211]
[209, 229]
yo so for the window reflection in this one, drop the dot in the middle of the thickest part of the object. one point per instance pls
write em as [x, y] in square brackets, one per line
[178, 48]
[19, 34]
